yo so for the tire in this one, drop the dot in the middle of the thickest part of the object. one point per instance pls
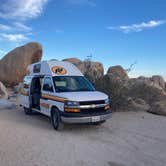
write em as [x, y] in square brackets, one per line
[56, 120]
[27, 111]
[99, 123]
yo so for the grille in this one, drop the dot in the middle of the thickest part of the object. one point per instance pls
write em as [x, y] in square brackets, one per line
[92, 102]
[93, 110]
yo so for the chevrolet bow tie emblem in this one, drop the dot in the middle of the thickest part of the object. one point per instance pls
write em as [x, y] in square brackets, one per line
[93, 105]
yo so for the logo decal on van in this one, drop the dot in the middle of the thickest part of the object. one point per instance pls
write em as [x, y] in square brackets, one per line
[59, 70]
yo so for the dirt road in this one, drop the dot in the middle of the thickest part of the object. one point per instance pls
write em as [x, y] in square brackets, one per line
[128, 139]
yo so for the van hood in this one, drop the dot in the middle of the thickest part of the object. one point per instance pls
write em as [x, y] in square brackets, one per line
[83, 96]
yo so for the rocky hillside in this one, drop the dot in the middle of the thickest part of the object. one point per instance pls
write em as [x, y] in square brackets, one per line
[13, 66]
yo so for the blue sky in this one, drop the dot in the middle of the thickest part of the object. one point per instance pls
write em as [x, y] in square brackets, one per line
[115, 32]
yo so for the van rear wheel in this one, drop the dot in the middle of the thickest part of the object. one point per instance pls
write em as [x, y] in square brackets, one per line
[27, 111]
[56, 120]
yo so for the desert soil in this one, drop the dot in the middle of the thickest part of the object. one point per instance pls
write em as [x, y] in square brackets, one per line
[128, 139]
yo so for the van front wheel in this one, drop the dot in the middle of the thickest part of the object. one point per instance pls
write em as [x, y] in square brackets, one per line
[56, 120]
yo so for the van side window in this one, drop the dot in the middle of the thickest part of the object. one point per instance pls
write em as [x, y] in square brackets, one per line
[26, 83]
[48, 85]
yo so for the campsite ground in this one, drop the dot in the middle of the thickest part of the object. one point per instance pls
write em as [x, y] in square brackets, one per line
[129, 138]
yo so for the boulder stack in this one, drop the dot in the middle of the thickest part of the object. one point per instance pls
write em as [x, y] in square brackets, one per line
[92, 70]
[158, 107]
[158, 81]
[13, 66]
[117, 72]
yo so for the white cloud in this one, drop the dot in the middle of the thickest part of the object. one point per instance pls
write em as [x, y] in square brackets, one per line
[21, 9]
[16, 26]
[4, 27]
[138, 27]
[21, 27]
[17, 13]
[83, 2]
[13, 37]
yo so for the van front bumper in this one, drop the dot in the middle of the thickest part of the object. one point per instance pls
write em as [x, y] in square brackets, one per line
[85, 118]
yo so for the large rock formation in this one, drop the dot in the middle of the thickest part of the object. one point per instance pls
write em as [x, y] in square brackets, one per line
[137, 105]
[92, 70]
[158, 107]
[3, 91]
[145, 89]
[13, 66]
[117, 72]
[74, 61]
[140, 93]
[158, 81]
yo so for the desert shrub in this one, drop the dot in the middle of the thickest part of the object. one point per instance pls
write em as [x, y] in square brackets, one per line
[115, 89]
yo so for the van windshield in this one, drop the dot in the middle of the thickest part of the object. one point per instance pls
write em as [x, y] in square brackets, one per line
[72, 84]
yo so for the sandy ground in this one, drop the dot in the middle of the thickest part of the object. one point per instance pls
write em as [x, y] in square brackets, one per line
[128, 139]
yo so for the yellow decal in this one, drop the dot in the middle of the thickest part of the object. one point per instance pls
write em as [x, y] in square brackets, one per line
[59, 70]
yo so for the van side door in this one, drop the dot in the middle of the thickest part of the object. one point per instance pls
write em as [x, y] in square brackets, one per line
[25, 92]
[47, 92]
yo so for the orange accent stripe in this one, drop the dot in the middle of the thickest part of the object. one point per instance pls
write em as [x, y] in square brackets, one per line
[55, 98]
[44, 105]
[72, 110]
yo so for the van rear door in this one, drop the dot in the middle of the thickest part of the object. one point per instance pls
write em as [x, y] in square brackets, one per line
[25, 92]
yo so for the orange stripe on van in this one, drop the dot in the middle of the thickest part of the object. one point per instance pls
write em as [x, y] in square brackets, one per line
[44, 105]
[55, 98]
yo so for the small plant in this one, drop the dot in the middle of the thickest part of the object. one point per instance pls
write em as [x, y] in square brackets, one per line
[116, 90]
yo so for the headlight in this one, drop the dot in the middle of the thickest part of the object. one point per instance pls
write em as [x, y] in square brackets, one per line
[71, 103]
[107, 101]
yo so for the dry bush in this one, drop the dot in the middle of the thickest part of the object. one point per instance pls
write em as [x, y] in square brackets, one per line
[115, 89]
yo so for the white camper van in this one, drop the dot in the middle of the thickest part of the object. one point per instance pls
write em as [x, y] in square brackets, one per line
[60, 91]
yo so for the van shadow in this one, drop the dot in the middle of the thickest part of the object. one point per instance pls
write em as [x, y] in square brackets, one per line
[38, 120]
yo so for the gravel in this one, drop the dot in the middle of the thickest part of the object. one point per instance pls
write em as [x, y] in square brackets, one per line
[128, 139]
